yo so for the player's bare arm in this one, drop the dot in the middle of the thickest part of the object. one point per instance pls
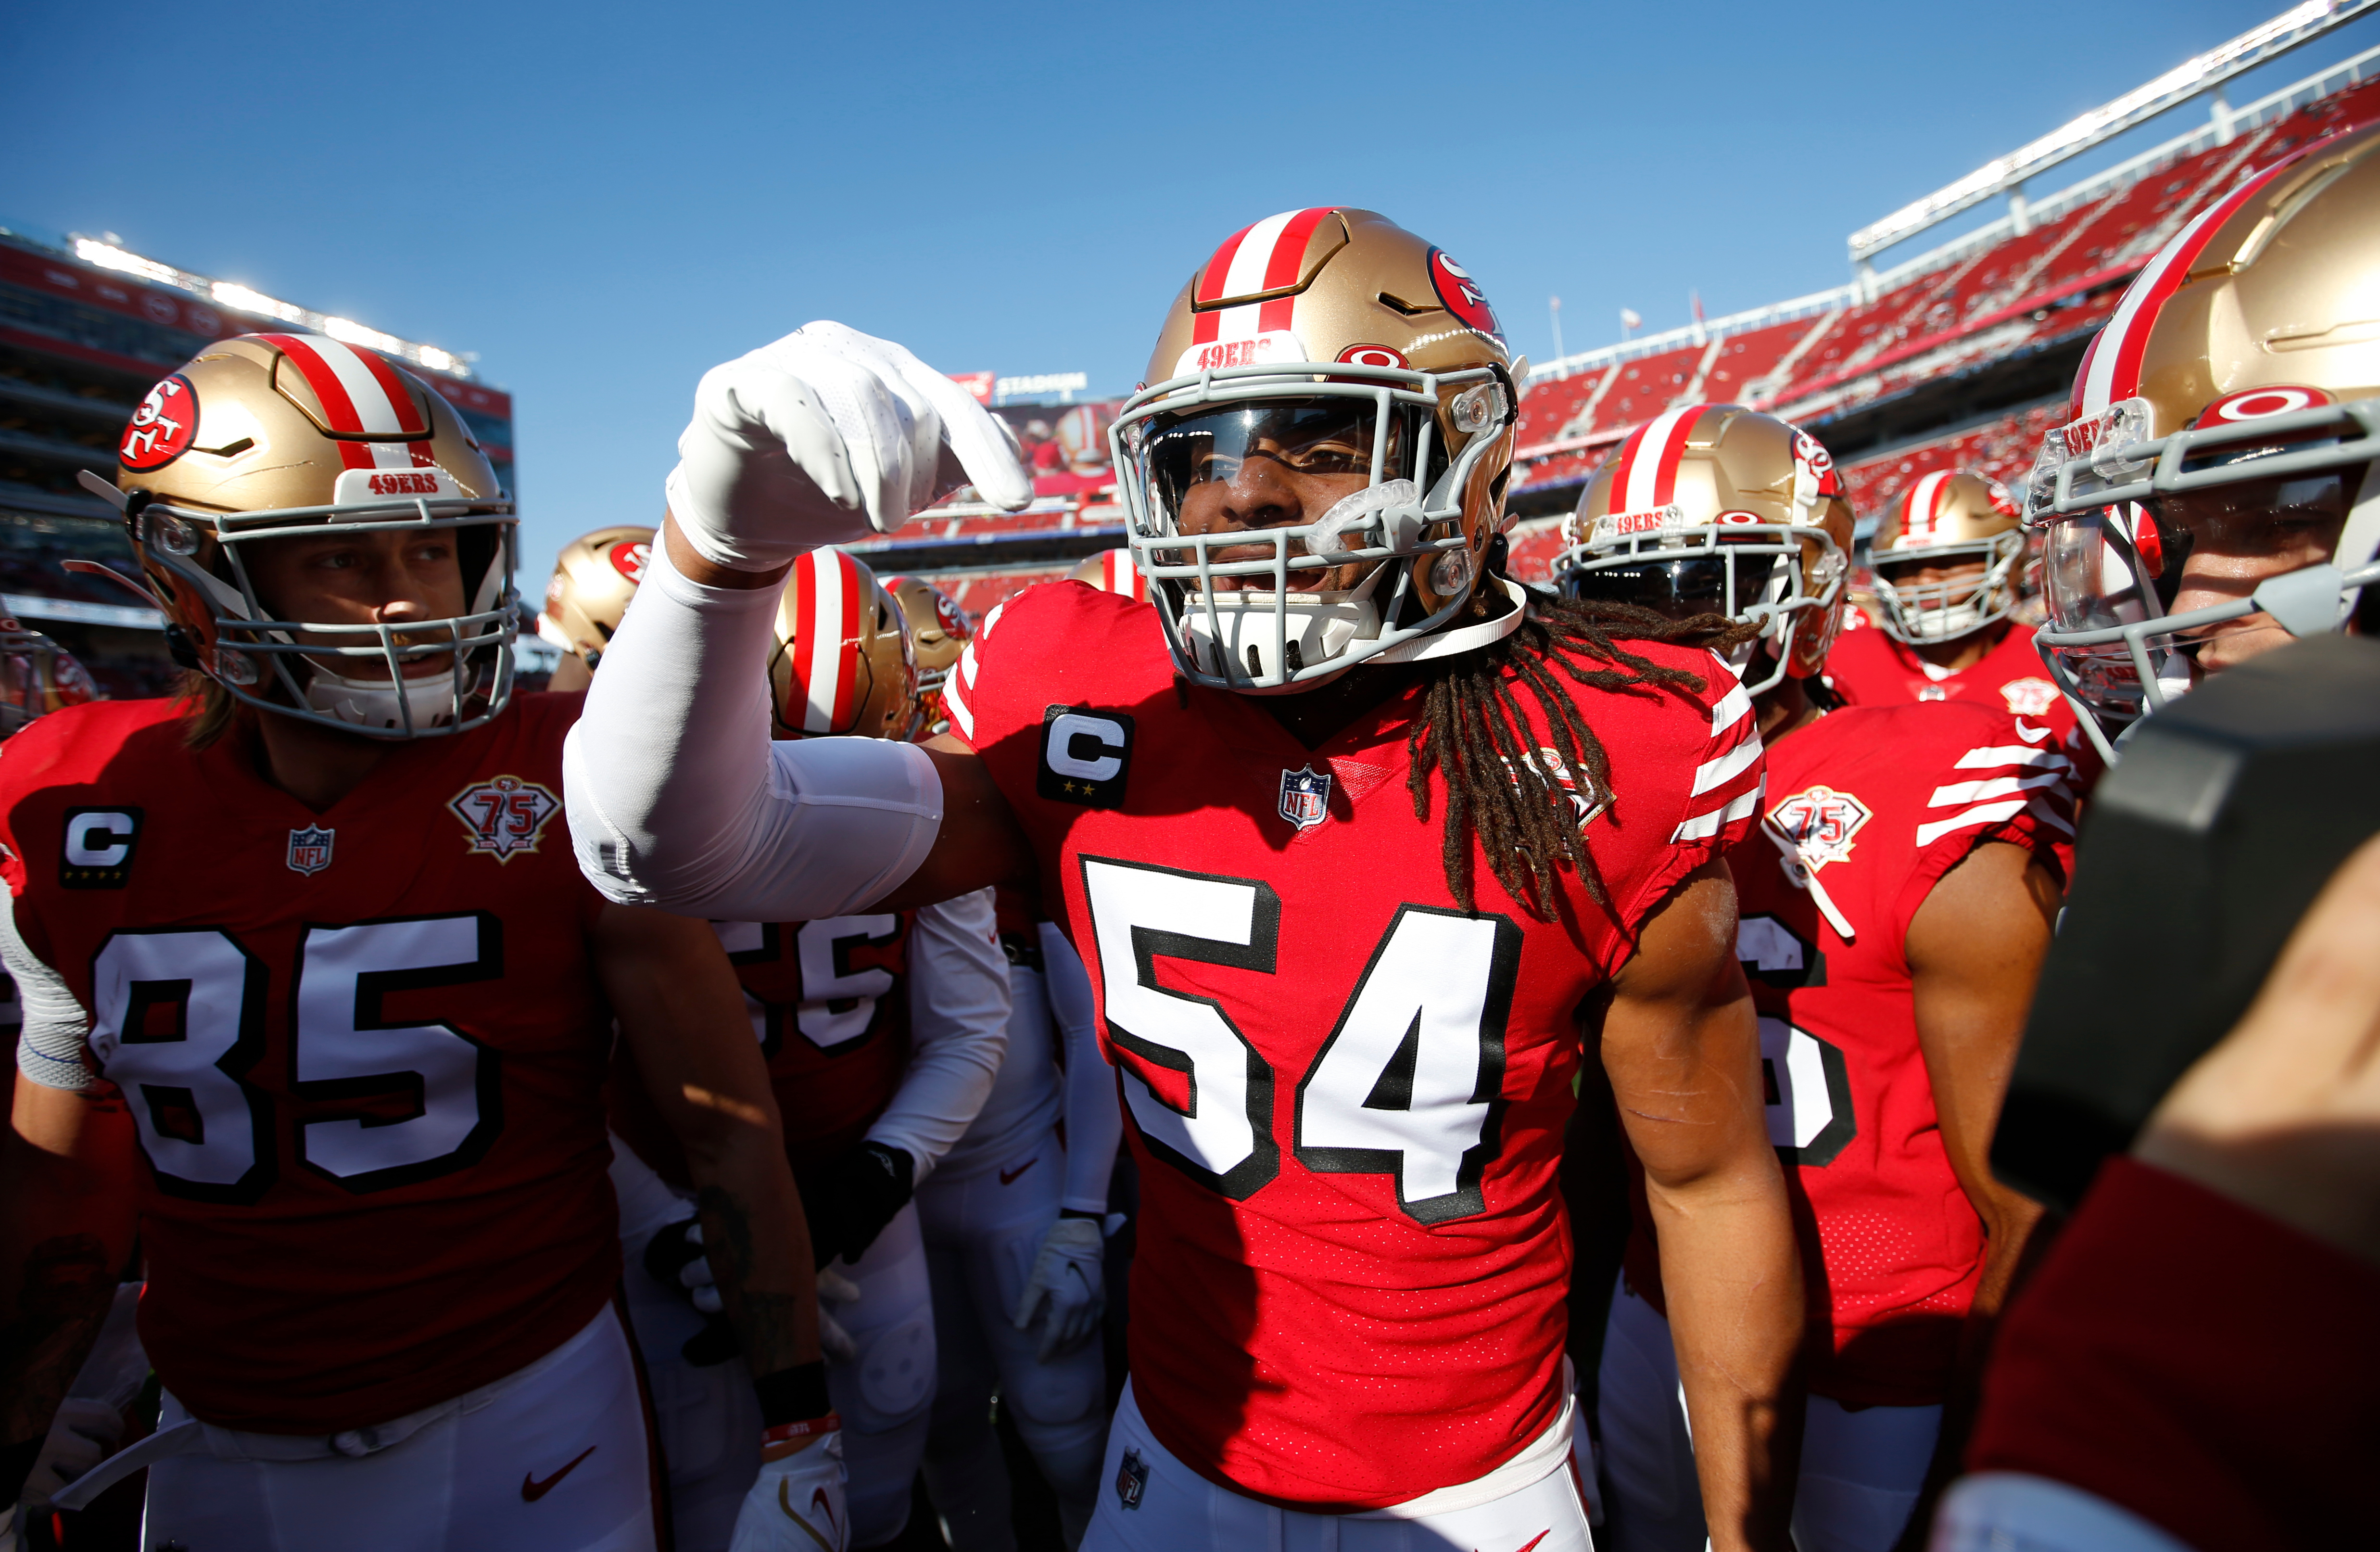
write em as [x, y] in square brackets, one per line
[1682, 1051]
[682, 1014]
[66, 1236]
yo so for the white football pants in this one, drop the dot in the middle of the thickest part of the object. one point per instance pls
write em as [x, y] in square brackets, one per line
[1151, 1502]
[708, 1419]
[553, 1458]
[1860, 1470]
[982, 1234]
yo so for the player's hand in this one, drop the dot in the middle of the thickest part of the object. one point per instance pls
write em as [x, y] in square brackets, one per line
[2280, 1116]
[675, 1258]
[849, 1202]
[1067, 1278]
[82, 1435]
[797, 1504]
[826, 436]
[835, 1291]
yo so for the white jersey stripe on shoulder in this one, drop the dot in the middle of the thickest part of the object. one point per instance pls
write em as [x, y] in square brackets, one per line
[1989, 813]
[1996, 786]
[1732, 706]
[2046, 812]
[1724, 768]
[1699, 826]
[1993, 755]
[955, 702]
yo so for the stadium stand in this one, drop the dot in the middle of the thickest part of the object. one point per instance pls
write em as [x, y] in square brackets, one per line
[1951, 358]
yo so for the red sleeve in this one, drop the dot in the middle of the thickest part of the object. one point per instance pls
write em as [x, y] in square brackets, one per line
[1722, 802]
[2209, 1369]
[1994, 784]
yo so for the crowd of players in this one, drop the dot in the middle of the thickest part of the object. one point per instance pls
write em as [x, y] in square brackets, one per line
[671, 1116]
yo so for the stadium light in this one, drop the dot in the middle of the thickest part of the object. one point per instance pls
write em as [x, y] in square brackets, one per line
[2299, 25]
[239, 298]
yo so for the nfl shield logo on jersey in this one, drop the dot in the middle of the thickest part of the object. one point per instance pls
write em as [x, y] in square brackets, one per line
[1305, 797]
[1132, 1479]
[309, 849]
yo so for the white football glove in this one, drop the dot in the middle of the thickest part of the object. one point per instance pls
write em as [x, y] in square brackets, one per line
[797, 1504]
[833, 1288]
[827, 436]
[1067, 1276]
[82, 1436]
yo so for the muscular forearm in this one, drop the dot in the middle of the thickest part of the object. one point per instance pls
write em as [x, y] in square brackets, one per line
[66, 1235]
[1731, 1277]
[759, 1249]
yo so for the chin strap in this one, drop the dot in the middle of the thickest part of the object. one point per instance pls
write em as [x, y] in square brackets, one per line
[1462, 638]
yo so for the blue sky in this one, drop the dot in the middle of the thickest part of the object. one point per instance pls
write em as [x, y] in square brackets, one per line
[601, 199]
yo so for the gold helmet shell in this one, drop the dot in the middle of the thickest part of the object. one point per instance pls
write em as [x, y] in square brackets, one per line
[1323, 311]
[841, 663]
[594, 579]
[2246, 353]
[267, 436]
[1111, 571]
[1950, 518]
[939, 632]
[1719, 509]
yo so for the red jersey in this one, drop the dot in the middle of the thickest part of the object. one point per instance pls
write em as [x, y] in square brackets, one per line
[1347, 1095]
[1880, 802]
[363, 1049]
[830, 1004]
[1869, 668]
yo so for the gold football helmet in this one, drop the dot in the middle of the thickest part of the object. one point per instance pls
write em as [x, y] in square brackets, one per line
[275, 436]
[843, 662]
[37, 677]
[2231, 407]
[1715, 509]
[1320, 345]
[939, 632]
[586, 598]
[1111, 571]
[1956, 522]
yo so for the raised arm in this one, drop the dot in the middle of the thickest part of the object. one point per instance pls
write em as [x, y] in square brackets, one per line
[1683, 1050]
[677, 798]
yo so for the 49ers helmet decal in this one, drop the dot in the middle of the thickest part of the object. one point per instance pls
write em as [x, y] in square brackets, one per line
[1716, 509]
[1331, 321]
[594, 579]
[1951, 518]
[2246, 354]
[841, 663]
[270, 437]
[939, 632]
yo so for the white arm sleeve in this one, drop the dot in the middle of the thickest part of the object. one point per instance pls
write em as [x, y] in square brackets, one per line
[958, 1029]
[677, 798]
[54, 1050]
[1094, 1114]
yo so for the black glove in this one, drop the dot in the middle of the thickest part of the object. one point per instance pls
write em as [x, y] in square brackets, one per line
[849, 1202]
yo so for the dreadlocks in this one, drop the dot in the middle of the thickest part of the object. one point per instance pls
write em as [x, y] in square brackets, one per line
[1500, 785]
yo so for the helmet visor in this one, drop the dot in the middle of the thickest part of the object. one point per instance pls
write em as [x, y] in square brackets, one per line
[1199, 460]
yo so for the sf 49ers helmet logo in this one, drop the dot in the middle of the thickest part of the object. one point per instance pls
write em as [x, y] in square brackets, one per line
[629, 558]
[160, 429]
[1821, 823]
[503, 815]
[1462, 295]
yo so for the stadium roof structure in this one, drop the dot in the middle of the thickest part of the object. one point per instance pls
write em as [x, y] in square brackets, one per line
[227, 293]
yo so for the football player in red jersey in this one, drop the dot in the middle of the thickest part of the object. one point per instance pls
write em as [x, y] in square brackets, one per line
[883, 1032]
[1948, 556]
[1354, 832]
[1895, 905]
[315, 996]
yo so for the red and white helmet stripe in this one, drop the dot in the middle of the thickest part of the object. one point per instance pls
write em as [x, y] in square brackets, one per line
[1645, 474]
[827, 598]
[1924, 508]
[1118, 574]
[360, 395]
[2111, 369]
[1264, 257]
